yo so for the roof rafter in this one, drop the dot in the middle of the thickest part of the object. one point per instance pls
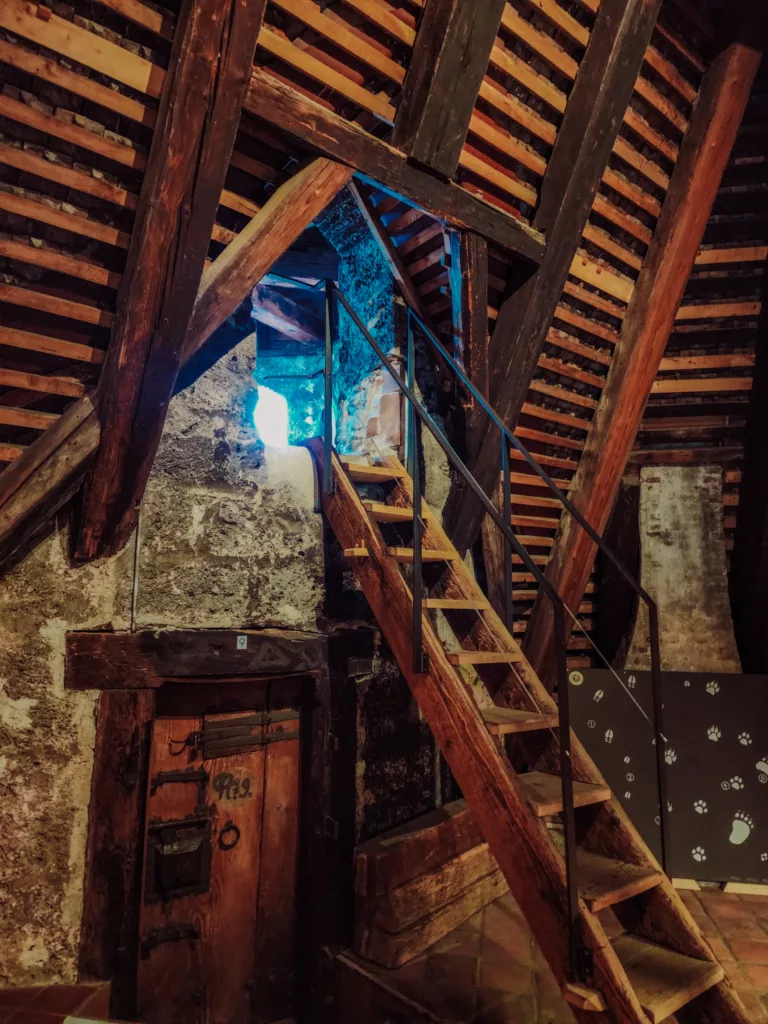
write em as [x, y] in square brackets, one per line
[647, 325]
[199, 114]
[448, 63]
[593, 116]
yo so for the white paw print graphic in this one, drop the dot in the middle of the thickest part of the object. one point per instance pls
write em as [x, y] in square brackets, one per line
[599, 694]
[745, 739]
[764, 857]
[735, 782]
[700, 806]
[687, 683]
[699, 853]
[713, 733]
[670, 756]
[712, 687]
[740, 828]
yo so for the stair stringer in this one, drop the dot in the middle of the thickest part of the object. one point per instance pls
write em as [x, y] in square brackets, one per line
[532, 866]
[659, 914]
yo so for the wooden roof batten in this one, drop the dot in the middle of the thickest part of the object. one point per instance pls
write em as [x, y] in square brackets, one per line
[649, 320]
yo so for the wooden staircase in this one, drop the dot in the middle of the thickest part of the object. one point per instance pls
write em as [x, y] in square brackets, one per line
[505, 758]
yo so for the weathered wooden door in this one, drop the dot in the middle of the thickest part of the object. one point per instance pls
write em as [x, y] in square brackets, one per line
[217, 923]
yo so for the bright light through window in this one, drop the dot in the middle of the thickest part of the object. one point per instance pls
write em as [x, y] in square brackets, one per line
[271, 417]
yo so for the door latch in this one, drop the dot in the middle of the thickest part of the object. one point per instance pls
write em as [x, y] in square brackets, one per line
[174, 933]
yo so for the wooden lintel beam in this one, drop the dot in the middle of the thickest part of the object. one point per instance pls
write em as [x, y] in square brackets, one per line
[649, 319]
[248, 257]
[290, 318]
[593, 116]
[384, 166]
[448, 63]
[200, 108]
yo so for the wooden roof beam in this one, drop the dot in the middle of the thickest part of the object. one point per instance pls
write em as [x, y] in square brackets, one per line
[385, 167]
[593, 116]
[447, 67]
[200, 107]
[649, 319]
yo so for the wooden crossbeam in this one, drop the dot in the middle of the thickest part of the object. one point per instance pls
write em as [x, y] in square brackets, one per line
[647, 325]
[384, 166]
[199, 113]
[592, 119]
[277, 310]
[447, 66]
[288, 212]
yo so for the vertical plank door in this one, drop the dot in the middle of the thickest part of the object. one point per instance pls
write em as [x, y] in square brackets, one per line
[199, 909]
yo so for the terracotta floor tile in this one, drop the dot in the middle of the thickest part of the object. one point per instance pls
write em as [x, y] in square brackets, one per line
[510, 977]
[520, 1010]
[750, 951]
[758, 975]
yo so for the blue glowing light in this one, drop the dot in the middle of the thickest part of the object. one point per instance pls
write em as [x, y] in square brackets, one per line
[271, 417]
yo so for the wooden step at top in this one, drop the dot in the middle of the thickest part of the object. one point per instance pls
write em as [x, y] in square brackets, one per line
[361, 552]
[427, 555]
[457, 604]
[583, 997]
[388, 513]
[664, 981]
[543, 792]
[604, 881]
[501, 721]
[484, 657]
[367, 473]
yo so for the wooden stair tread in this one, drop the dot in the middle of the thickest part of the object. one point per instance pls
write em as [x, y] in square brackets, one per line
[543, 792]
[484, 657]
[604, 881]
[427, 555]
[364, 472]
[663, 980]
[388, 513]
[457, 604]
[501, 721]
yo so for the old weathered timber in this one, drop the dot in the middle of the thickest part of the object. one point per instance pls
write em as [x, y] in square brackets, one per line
[649, 319]
[246, 259]
[273, 307]
[469, 315]
[199, 113]
[448, 63]
[657, 921]
[386, 167]
[592, 119]
[46, 475]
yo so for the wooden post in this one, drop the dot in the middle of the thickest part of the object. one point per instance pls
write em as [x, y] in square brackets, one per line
[199, 113]
[448, 63]
[650, 316]
[593, 116]
[469, 309]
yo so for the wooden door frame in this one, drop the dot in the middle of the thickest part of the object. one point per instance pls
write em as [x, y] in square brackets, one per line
[128, 668]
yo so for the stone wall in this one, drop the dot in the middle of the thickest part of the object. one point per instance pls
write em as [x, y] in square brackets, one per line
[228, 537]
[683, 568]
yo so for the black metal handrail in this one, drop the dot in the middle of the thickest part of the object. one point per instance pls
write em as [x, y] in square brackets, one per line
[653, 614]
[579, 956]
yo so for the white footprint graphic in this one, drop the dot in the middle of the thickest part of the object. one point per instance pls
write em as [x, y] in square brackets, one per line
[745, 739]
[670, 756]
[764, 857]
[609, 735]
[741, 828]
[700, 806]
[713, 687]
[699, 853]
[762, 767]
[713, 733]
[599, 694]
